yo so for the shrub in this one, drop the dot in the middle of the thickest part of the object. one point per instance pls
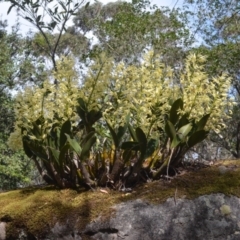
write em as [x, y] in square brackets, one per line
[122, 125]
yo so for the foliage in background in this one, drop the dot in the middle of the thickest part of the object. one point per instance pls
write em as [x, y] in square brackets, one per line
[15, 167]
[58, 14]
[125, 31]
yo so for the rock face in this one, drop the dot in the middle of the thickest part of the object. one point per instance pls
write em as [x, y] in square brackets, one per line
[214, 216]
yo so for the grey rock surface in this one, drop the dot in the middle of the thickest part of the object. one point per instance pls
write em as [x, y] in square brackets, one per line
[2, 230]
[214, 216]
[208, 217]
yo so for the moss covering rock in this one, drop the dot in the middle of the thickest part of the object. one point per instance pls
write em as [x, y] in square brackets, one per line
[35, 211]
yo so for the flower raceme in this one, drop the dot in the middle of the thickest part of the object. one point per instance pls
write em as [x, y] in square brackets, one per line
[145, 92]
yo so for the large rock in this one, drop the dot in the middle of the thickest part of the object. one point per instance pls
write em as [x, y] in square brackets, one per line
[214, 216]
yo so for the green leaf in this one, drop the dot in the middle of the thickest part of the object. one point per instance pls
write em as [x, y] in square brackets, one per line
[175, 142]
[141, 137]
[27, 149]
[184, 131]
[183, 121]
[53, 131]
[87, 147]
[74, 145]
[62, 5]
[63, 153]
[28, 19]
[132, 133]
[122, 129]
[152, 145]
[55, 154]
[93, 116]
[38, 18]
[36, 131]
[197, 137]
[39, 152]
[53, 24]
[176, 106]
[51, 141]
[82, 108]
[113, 134]
[170, 130]
[87, 137]
[129, 145]
[66, 128]
[202, 122]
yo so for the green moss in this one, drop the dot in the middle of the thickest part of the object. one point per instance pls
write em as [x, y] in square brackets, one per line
[38, 209]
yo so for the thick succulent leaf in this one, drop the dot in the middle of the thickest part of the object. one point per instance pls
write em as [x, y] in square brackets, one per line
[74, 145]
[40, 120]
[132, 133]
[53, 131]
[176, 106]
[39, 152]
[170, 130]
[141, 137]
[55, 134]
[36, 130]
[175, 142]
[123, 129]
[55, 154]
[197, 137]
[58, 137]
[81, 108]
[51, 142]
[152, 145]
[184, 131]
[113, 134]
[87, 147]
[66, 128]
[63, 153]
[129, 145]
[93, 116]
[202, 122]
[183, 121]
[86, 138]
[27, 149]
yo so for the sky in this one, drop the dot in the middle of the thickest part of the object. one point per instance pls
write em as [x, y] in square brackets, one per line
[25, 26]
